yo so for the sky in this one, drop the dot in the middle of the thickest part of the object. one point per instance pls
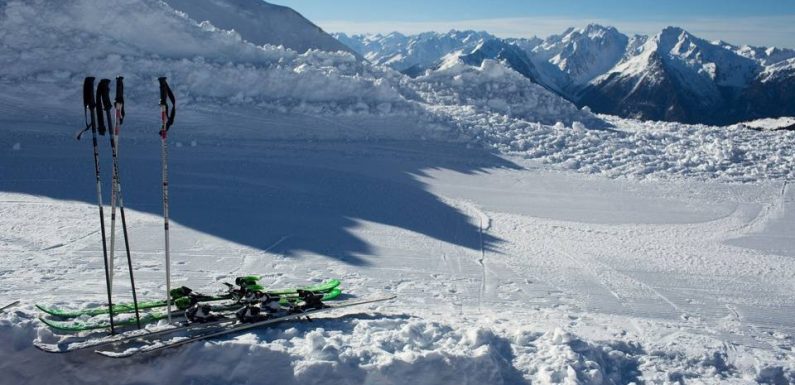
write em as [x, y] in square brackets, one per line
[755, 22]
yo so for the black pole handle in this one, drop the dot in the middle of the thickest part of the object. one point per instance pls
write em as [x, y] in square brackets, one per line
[165, 92]
[88, 92]
[163, 88]
[120, 97]
[104, 84]
[102, 103]
[120, 89]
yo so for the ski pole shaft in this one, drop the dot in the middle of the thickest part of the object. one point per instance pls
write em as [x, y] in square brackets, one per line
[114, 138]
[90, 105]
[166, 121]
[104, 84]
[12, 304]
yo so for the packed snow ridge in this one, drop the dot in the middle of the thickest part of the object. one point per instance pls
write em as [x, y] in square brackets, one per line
[484, 101]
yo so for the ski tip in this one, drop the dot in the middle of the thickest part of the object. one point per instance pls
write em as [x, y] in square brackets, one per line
[54, 325]
[48, 348]
[123, 354]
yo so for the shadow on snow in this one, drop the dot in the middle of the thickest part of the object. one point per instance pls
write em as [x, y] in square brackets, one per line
[258, 192]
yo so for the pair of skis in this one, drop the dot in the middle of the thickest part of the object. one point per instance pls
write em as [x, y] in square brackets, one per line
[95, 107]
[151, 341]
[83, 320]
[54, 311]
[77, 326]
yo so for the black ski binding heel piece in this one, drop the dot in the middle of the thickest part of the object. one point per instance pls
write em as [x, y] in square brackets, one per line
[200, 313]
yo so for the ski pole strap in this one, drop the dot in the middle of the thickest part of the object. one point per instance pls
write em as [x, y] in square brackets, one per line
[103, 103]
[88, 102]
[165, 91]
[120, 96]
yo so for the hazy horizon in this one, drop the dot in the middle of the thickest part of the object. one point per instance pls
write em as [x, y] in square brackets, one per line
[762, 23]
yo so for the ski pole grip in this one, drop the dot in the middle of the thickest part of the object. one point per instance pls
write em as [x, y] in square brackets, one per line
[165, 92]
[100, 116]
[163, 88]
[104, 91]
[88, 92]
[120, 90]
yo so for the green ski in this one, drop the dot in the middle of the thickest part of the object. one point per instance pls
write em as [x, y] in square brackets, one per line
[79, 326]
[121, 308]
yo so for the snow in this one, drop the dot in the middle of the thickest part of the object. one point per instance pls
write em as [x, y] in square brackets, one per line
[770, 123]
[402, 52]
[583, 54]
[262, 23]
[600, 67]
[528, 241]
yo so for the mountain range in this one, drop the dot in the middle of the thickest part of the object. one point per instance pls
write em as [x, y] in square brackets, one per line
[671, 76]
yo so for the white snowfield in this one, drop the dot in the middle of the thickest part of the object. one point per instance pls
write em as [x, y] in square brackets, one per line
[528, 242]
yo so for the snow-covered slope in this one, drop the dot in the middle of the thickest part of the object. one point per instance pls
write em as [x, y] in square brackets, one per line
[261, 23]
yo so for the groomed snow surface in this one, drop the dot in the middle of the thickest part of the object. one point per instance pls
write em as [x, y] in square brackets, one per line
[529, 242]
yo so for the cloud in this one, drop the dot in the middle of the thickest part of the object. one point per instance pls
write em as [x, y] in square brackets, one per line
[759, 31]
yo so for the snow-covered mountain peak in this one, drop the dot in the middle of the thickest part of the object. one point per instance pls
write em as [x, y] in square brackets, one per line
[764, 55]
[415, 53]
[585, 53]
[498, 50]
[598, 31]
[703, 58]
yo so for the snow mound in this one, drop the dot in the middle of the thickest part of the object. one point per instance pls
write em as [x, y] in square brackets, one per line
[494, 87]
[783, 123]
[47, 48]
[389, 349]
[651, 149]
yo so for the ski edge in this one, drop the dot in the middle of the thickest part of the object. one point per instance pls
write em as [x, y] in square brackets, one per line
[289, 317]
[126, 338]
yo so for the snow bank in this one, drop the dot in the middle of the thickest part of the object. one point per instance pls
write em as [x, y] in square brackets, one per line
[388, 349]
[637, 149]
[49, 47]
[496, 88]
[783, 123]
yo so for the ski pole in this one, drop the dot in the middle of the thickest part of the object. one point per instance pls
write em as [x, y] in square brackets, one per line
[114, 138]
[89, 107]
[167, 120]
[12, 304]
[101, 88]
